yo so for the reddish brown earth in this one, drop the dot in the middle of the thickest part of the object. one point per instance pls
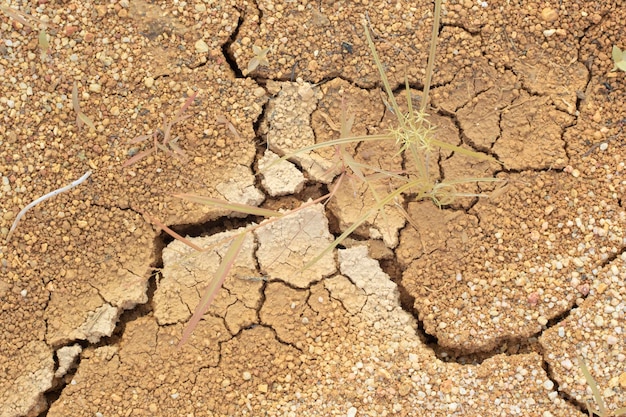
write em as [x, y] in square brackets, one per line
[481, 307]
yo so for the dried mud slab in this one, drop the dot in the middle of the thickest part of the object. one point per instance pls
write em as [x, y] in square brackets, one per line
[370, 361]
[532, 135]
[25, 382]
[287, 127]
[287, 245]
[535, 246]
[331, 43]
[78, 260]
[595, 332]
[538, 42]
[187, 272]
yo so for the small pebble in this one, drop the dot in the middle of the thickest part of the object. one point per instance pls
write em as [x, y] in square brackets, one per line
[598, 321]
[549, 15]
[567, 364]
[201, 46]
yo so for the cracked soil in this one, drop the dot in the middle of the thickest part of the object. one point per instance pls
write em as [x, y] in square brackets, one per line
[480, 308]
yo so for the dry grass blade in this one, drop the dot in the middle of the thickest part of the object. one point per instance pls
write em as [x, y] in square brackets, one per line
[21, 17]
[224, 121]
[81, 118]
[594, 388]
[602, 410]
[138, 157]
[214, 286]
[172, 233]
[185, 106]
[240, 208]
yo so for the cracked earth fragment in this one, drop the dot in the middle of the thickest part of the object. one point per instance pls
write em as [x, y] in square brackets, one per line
[287, 127]
[99, 323]
[279, 177]
[187, 272]
[239, 187]
[599, 321]
[24, 389]
[289, 243]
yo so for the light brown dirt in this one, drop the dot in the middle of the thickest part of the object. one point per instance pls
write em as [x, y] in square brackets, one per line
[530, 278]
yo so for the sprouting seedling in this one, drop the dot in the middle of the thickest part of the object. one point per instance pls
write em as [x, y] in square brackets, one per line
[44, 198]
[619, 59]
[259, 58]
[602, 410]
[81, 118]
[166, 144]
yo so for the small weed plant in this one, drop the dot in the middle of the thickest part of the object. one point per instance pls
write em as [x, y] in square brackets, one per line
[162, 138]
[414, 139]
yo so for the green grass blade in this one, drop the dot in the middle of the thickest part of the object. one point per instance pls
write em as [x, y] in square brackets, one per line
[470, 180]
[431, 54]
[340, 141]
[214, 286]
[240, 208]
[327, 144]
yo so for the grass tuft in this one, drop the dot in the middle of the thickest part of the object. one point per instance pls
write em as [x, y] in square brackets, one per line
[413, 136]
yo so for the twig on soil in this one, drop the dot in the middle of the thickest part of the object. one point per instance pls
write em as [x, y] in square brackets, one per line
[44, 198]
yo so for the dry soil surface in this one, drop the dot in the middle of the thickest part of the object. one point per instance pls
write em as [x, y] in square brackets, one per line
[481, 307]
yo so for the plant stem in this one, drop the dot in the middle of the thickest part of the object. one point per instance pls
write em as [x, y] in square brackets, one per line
[43, 198]
[431, 55]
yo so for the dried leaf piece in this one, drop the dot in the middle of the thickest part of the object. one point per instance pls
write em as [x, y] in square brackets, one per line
[619, 59]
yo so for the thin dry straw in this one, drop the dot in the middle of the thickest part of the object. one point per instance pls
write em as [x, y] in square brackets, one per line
[44, 198]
